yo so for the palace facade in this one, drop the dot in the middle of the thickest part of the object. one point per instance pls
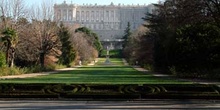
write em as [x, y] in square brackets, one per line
[108, 21]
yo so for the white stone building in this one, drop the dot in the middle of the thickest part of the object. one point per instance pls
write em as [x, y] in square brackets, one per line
[108, 21]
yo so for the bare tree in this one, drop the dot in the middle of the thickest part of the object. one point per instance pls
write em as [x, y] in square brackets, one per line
[26, 51]
[11, 11]
[85, 51]
[45, 38]
[43, 11]
[4, 12]
[40, 35]
[14, 9]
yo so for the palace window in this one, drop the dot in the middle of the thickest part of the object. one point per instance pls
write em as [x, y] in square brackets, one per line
[64, 15]
[92, 15]
[87, 15]
[94, 26]
[91, 26]
[70, 14]
[107, 15]
[97, 15]
[101, 15]
[77, 15]
[58, 14]
[100, 26]
[83, 15]
[112, 15]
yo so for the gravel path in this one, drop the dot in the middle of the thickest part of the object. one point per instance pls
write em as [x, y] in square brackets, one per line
[36, 74]
[43, 73]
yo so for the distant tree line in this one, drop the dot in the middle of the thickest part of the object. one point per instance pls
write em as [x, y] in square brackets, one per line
[180, 37]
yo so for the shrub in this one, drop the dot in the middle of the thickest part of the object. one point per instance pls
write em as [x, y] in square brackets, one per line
[2, 59]
[59, 66]
[148, 67]
[38, 68]
[12, 71]
[173, 70]
[34, 69]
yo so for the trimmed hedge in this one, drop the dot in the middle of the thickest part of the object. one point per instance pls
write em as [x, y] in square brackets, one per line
[80, 91]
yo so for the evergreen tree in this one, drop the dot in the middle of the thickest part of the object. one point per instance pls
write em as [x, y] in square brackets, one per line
[186, 38]
[127, 34]
[68, 53]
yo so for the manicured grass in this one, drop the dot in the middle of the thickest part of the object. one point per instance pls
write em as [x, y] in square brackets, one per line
[113, 53]
[114, 73]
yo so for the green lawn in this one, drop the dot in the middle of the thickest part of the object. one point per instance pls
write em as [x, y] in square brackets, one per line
[115, 73]
[112, 53]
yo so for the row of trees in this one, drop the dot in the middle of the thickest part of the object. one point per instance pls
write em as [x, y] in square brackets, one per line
[31, 40]
[182, 37]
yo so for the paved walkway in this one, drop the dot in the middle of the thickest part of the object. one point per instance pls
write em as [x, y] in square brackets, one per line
[109, 105]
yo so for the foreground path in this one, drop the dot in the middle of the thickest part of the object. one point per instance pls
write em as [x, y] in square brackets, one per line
[106, 105]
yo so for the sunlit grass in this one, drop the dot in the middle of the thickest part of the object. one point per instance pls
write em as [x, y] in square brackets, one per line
[114, 73]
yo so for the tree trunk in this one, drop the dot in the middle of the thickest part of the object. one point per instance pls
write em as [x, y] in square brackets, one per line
[42, 56]
[12, 57]
[7, 53]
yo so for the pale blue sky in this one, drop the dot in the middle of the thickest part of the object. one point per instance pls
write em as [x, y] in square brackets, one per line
[99, 2]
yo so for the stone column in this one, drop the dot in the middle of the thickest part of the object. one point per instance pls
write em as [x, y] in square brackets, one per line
[61, 15]
[67, 15]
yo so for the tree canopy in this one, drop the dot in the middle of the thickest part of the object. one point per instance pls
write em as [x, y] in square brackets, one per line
[184, 38]
[92, 37]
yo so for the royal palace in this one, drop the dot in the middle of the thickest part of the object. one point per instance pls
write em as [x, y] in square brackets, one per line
[108, 21]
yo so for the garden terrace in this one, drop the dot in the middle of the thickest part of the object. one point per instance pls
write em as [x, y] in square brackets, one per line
[106, 82]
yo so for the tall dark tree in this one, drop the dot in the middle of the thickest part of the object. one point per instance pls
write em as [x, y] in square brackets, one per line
[68, 53]
[186, 37]
[127, 35]
[212, 10]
